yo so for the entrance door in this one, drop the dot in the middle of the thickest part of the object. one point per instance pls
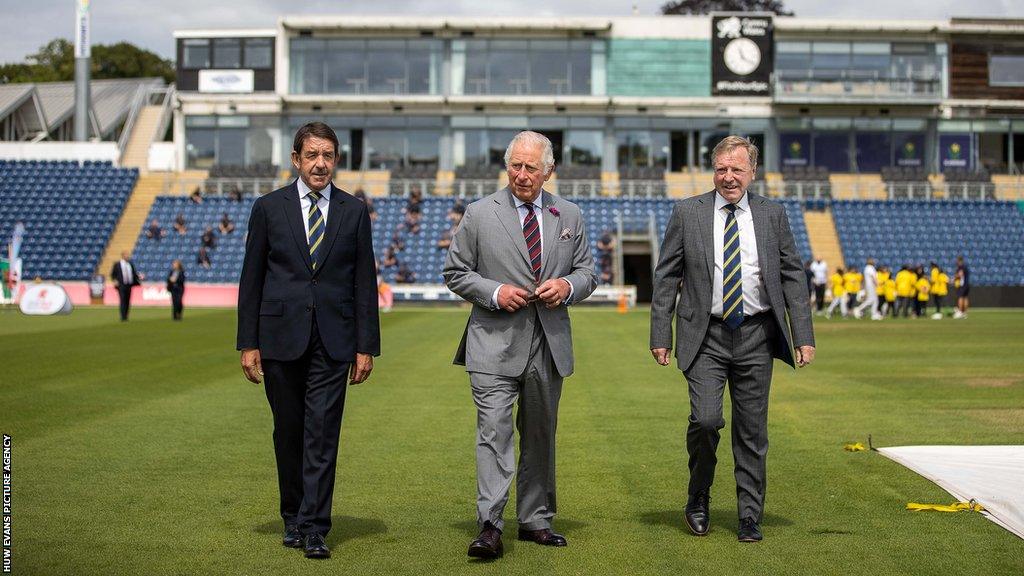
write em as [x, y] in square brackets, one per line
[678, 142]
[636, 270]
[556, 143]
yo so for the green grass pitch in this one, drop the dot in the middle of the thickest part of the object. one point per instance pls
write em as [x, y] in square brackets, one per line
[139, 448]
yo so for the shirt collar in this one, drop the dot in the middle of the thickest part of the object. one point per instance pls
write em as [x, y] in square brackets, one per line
[743, 204]
[536, 202]
[304, 190]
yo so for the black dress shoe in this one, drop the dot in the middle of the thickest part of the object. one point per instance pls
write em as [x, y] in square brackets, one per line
[315, 547]
[543, 537]
[488, 544]
[749, 531]
[698, 513]
[292, 536]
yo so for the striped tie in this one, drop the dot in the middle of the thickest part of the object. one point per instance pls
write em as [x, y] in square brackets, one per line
[316, 228]
[732, 278]
[531, 231]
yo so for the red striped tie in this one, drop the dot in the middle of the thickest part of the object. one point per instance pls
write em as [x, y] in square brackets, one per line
[531, 231]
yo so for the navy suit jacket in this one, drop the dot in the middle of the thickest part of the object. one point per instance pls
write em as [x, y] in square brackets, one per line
[279, 294]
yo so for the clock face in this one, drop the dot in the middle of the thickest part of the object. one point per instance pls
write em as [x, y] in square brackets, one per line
[742, 56]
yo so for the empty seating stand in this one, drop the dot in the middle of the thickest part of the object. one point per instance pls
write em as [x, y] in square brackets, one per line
[965, 184]
[642, 181]
[989, 234]
[69, 211]
[247, 180]
[906, 182]
[407, 179]
[806, 182]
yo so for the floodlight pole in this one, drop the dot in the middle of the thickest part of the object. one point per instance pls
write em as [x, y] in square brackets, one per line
[83, 60]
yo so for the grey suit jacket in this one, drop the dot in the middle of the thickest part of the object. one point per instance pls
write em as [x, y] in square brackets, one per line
[686, 267]
[489, 250]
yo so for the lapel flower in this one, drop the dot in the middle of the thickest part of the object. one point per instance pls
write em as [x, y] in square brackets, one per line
[554, 211]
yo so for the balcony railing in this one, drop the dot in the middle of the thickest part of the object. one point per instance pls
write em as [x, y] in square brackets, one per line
[854, 85]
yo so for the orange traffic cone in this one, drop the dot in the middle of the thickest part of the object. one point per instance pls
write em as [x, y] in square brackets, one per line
[623, 305]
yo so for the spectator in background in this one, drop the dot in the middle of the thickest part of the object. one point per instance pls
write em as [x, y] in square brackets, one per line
[851, 285]
[962, 281]
[923, 287]
[883, 278]
[203, 258]
[226, 226]
[904, 291]
[196, 197]
[415, 201]
[234, 194]
[405, 275]
[809, 274]
[939, 289]
[390, 259]
[412, 222]
[838, 293]
[457, 211]
[890, 293]
[370, 208]
[605, 250]
[446, 239]
[155, 231]
[125, 277]
[209, 240]
[397, 243]
[179, 224]
[820, 282]
[176, 286]
[870, 302]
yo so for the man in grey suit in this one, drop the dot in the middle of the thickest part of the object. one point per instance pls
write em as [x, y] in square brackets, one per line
[520, 256]
[730, 259]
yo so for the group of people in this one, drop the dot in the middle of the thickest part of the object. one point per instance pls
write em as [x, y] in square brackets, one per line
[308, 326]
[126, 276]
[878, 292]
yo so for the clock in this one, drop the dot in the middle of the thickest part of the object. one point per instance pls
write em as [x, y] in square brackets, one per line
[742, 56]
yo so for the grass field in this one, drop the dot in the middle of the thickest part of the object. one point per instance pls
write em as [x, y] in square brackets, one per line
[139, 448]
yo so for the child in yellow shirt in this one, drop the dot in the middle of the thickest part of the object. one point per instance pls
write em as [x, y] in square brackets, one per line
[922, 286]
[838, 294]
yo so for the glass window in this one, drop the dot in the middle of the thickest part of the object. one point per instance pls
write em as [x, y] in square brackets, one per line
[1006, 70]
[385, 60]
[497, 142]
[201, 147]
[423, 147]
[346, 67]
[423, 59]
[307, 66]
[873, 151]
[227, 53]
[509, 70]
[643, 148]
[583, 147]
[196, 53]
[385, 149]
[470, 147]
[831, 150]
[580, 63]
[476, 67]
[548, 67]
[259, 53]
[830, 59]
[231, 143]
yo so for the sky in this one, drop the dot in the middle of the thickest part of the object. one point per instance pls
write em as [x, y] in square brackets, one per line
[27, 25]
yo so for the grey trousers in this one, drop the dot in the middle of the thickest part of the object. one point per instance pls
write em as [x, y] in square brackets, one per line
[538, 391]
[743, 357]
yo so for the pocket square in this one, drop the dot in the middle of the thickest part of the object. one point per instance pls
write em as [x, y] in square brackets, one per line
[565, 235]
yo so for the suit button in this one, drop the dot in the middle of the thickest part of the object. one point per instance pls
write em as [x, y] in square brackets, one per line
[314, 281]
[308, 308]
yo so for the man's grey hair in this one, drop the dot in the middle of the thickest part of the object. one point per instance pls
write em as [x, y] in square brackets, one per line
[547, 155]
[731, 143]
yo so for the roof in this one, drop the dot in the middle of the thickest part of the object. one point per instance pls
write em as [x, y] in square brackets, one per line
[110, 102]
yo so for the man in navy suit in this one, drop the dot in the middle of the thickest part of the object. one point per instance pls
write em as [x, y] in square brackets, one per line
[307, 322]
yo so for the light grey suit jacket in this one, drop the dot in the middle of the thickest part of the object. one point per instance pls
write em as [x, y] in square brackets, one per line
[489, 250]
[686, 267]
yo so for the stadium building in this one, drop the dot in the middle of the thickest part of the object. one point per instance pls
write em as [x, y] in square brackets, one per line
[899, 140]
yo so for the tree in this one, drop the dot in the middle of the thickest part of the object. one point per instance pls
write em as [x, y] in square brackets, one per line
[709, 6]
[55, 62]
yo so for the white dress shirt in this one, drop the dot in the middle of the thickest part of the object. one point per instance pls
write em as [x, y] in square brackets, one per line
[754, 298]
[305, 202]
[820, 270]
[126, 273]
[538, 213]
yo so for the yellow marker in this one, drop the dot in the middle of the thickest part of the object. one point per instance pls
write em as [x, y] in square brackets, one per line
[971, 506]
[858, 447]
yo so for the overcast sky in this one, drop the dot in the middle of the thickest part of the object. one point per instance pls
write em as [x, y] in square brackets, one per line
[27, 25]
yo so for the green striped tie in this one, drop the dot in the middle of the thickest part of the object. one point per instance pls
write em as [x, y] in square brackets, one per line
[316, 228]
[732, 278]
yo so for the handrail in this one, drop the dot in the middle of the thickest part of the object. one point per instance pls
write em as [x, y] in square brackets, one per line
[129, 124]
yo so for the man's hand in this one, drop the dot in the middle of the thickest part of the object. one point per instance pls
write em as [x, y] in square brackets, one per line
[804, 355]
[553, 292]
[512, 298]
[660, 355]
[252, 366]
[360, 369]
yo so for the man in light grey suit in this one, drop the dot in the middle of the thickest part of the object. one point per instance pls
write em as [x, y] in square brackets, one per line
[520, 256]
[730, 259]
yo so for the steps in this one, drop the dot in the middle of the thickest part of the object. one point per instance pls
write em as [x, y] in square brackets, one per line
[821, 232]
[147, 188]
[136, 154]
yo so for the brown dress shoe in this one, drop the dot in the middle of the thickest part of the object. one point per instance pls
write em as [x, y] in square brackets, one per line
[488, 544]
[543, 537]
